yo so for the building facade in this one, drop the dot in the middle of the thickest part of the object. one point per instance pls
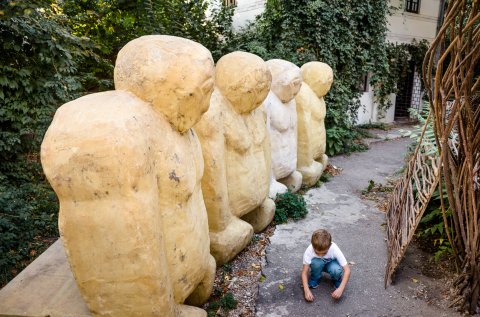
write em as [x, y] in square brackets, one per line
[414, 19]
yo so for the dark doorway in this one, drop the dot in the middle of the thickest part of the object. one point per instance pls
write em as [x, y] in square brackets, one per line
[404, 95]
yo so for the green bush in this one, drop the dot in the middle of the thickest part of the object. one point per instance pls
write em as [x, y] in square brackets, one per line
[39, 70]
[289, 205]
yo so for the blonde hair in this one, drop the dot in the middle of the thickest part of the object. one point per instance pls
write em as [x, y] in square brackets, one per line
[321, 240]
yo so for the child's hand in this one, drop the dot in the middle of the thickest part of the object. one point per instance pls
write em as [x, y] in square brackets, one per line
[308, 295]
[337, 293]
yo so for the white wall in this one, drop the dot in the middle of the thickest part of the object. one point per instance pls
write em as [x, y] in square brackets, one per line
[368, 112]
[246, 11]
[406, 26]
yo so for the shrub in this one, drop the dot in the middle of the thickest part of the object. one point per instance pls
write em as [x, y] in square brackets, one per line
[289, 205]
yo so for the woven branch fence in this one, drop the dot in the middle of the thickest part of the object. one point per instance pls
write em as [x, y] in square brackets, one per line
[451, 77]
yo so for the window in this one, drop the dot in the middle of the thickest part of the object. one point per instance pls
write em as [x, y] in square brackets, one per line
[230, 3]
[412, 6]
[363, 83]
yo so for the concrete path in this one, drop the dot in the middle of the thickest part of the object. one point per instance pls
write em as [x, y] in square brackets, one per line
[358, 229]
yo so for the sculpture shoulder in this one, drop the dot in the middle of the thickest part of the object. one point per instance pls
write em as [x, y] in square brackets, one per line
[94, 138]
[101, 116]
[303, 97]
[211, 122]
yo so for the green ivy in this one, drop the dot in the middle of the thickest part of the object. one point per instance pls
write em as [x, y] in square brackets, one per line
[347, 35]
[400, 58]
[39, 70]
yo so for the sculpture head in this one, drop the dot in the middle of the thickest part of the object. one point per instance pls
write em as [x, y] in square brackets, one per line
[319, 76]
[174, 74]
[244, 79]
[286, 79]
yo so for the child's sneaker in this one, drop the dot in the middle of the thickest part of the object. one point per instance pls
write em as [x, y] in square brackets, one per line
[312, 286]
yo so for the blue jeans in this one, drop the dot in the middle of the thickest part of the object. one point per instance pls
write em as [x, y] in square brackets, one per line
[330, 266]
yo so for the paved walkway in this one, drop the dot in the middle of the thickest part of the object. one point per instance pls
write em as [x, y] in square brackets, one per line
[358, 228]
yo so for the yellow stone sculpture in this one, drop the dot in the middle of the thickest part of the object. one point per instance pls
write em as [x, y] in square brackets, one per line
[311, 111]
[236, 151]
[127, 168]
[282, 123]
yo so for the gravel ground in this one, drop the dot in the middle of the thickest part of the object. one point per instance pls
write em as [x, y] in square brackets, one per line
[240, 277]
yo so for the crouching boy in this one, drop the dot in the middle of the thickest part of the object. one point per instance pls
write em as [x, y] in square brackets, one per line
[322, 255]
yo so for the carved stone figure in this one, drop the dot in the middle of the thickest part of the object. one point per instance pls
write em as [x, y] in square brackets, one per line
[236, 151]
[311, 110]
[127, 168]
[282, 123]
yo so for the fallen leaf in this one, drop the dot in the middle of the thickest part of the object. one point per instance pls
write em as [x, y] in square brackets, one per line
[281, 287]
[256, 266]
[414, 280]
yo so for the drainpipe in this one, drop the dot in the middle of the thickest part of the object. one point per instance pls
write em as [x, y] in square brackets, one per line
[441, 13]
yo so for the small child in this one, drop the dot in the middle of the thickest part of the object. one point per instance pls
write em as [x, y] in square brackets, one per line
[324, 256]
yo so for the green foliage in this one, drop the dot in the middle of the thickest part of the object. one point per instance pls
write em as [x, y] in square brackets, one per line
[39, 70]
[289, 205]
[432, 227]
[347, 35]
[371, 185]
[325, 177]
[227, 268]
[226, 302]
[52, 52]
[400, 57]
[429, 142]
[190, 21]
[111, 24]
[28, 218]
[375, 125]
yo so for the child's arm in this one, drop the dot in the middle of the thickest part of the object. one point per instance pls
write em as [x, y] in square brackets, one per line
[307, 293]
[346, 275]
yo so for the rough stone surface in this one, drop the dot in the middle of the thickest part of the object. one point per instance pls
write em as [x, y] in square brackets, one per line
[236, 150]
[127, 168]
[358, 228]
[311, 111]
[282, 126]
[45, 288]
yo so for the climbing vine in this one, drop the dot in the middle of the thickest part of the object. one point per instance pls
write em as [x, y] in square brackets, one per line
[347, 35]
[400, 57]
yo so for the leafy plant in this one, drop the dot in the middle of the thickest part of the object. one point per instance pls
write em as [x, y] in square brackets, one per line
[375, 125]
[432, 227]
[227, 302]
[400, 58]
[227, 268]
[289, 205]
[347, 35]
[39, 70]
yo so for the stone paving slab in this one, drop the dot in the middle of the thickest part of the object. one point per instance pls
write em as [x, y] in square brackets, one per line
[45, 288]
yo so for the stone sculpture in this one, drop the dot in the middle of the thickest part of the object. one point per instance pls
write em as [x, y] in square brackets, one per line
[311, 110]
[127, 167]
[236, 151]
[282, 123]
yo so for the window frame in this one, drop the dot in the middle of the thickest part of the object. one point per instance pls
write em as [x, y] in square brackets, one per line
[230, 3]
[412, 6]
